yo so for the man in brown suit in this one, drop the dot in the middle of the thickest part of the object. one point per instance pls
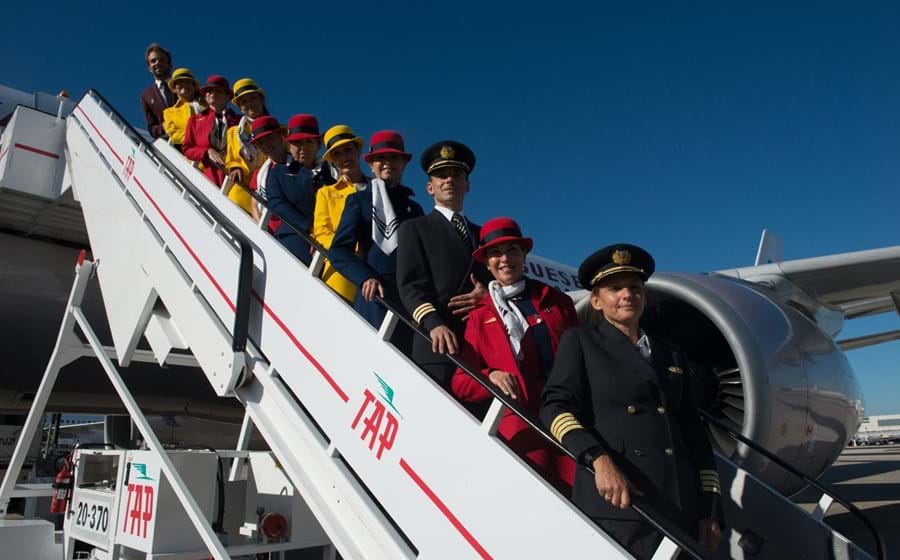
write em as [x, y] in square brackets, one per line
[158, 96]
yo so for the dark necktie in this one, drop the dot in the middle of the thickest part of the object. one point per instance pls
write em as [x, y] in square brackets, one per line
[218, 133]
[459, 224]
[167, 95]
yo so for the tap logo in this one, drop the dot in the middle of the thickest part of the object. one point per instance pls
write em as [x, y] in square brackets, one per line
[379, 425]
[129, 166]
[387, 393]
[141, 468]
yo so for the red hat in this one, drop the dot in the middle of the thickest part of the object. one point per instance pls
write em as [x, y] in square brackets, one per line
[386, 142]
[216, 81]
[500, 230]
[263, 126]
[301, 127]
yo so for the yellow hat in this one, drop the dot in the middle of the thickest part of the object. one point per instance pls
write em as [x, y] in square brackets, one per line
[182, 74]
[338, 135]
[244, 86]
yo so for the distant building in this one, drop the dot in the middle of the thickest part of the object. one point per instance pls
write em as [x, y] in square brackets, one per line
[876, 430]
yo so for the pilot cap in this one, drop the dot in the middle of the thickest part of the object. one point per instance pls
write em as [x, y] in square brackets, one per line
[615, 259]
[447, 153]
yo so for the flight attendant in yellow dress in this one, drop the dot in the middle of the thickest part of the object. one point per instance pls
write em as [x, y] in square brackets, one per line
[342, 150]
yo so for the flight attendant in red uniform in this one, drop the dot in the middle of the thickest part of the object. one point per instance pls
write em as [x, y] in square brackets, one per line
[205, 139]
[511, 338]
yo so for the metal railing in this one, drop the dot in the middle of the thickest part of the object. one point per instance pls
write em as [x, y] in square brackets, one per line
[879, 542]
[243, 299]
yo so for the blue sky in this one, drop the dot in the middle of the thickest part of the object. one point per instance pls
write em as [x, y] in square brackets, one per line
[684, 127]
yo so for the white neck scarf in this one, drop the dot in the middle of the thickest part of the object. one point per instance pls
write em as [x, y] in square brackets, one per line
[248, 150]
[512, 317]
[384, 219]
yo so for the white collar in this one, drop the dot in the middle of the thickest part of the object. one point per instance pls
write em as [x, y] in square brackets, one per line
[448, 213]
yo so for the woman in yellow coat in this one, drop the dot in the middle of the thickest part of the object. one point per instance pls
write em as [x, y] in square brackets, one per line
[175, 118]
[342, 149]
[241, 156]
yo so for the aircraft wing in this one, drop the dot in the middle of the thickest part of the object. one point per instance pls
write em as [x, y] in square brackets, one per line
[858, 284]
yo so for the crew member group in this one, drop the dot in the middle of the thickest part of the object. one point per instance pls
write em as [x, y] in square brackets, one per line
[616, 397]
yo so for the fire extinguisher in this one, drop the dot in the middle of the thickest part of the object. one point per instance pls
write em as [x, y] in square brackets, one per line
[62, 487]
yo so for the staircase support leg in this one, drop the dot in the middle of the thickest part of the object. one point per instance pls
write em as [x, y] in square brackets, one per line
[242, 445]
[213, 545]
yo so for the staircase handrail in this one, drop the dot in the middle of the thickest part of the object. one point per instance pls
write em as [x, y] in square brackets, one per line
[879, 542]
[243, 301]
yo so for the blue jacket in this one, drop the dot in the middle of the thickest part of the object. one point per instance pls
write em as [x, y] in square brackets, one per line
[290, 195]
[355, 230]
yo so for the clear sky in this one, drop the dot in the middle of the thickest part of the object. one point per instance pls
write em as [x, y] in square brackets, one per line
[683, 127]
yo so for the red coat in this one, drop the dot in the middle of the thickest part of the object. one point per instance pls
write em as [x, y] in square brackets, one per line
[196, 141]
[486, 347]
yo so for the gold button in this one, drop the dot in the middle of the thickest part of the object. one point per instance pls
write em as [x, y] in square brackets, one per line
[538, 321]
[631, 409]
[669, 451]
[661, 409]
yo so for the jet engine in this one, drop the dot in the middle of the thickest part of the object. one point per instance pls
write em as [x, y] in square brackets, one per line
[768, 371]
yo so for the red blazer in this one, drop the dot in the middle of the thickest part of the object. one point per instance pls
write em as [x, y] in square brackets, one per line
[196, 141]
[486, 347]
[153, 104]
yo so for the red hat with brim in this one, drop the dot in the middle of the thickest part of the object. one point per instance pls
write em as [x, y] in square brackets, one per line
[216, 82]
[386, 142]
[302, 127]
[264, 126]
[500, 230]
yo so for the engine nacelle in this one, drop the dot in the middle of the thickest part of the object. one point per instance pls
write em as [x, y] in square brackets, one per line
[777, 376]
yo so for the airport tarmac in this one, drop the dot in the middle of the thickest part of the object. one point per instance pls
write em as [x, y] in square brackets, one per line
[869, 477]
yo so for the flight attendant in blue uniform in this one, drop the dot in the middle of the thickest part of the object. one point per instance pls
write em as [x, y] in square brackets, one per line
[619, 399]
[364, 249]
[288, 187]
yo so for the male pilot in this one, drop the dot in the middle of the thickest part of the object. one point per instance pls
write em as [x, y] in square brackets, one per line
[438, 281]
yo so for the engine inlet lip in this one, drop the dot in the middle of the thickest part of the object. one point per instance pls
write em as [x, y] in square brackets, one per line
[697, 291]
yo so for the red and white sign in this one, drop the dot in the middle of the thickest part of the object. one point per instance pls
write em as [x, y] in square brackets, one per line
[379, 424]
[137, 502]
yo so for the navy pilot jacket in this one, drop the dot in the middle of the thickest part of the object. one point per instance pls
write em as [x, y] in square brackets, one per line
[603, 396]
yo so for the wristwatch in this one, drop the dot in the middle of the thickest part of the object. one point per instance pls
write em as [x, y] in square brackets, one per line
[589, 456]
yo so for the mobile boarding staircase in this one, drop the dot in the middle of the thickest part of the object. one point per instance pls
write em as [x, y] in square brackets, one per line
[389, 464]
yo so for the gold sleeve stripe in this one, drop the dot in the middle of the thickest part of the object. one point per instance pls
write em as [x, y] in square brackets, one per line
[564, 431]
[421, 311]
[564, 417]
[563, 424]
[566, 427]
[711, 472]
[712, 488]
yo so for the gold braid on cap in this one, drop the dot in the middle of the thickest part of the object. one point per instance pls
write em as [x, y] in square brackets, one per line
[615, 270]
[438, 163]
